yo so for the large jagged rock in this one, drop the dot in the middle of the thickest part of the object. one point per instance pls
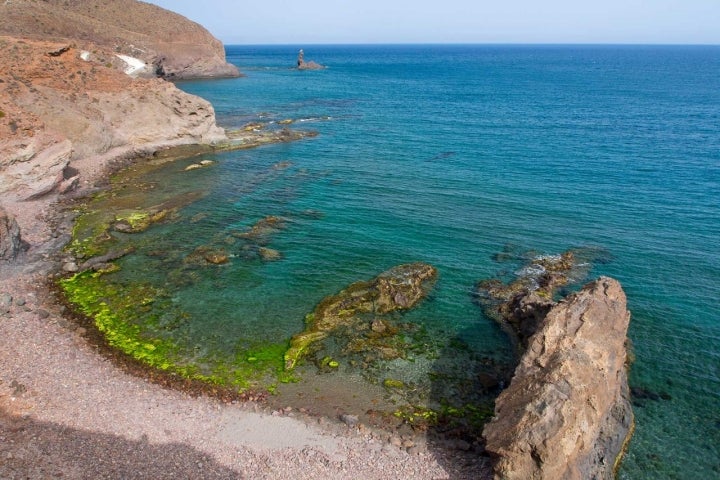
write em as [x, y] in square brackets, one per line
[567, 413]
[11, 243]
[399, 288]
[167, 44]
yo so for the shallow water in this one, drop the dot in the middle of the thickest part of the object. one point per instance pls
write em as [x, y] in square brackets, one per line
[449, 155]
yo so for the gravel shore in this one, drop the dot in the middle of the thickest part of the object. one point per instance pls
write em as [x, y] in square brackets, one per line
[69, 411]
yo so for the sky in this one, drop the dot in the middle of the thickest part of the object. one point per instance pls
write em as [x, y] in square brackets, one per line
[455, 21]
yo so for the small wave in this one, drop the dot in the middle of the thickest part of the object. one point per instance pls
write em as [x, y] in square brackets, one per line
[531, 271]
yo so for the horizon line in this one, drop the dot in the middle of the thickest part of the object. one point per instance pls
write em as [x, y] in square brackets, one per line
[548, 44]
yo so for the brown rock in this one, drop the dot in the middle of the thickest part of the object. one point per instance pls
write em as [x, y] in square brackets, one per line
[567, 413]
[303, 65]
[172, 45]
[399, 288]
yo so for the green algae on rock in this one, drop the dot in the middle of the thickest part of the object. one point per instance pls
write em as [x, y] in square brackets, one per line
[399, 288]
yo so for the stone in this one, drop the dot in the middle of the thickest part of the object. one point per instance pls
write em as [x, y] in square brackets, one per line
[349, 420]
[269, 254]
[399, 288]
[303, 65]
[5, 299]
[11, 243]
[567, 411]
[70, 267]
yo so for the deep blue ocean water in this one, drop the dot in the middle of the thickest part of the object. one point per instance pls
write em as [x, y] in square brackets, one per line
[451, 154]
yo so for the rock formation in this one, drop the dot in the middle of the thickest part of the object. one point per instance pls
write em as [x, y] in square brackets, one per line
[567, 413]
[399, 288]
[167, 44]
[10, 242]
[62, 115]
[303, 65]
[71, 102]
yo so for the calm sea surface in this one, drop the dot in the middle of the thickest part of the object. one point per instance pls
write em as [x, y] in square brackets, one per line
[449, 155]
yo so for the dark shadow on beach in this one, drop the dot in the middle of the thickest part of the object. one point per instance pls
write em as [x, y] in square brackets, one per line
[465, 384]
[38, 450]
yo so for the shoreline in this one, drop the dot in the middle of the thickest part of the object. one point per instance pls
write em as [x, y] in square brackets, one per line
[55, 360]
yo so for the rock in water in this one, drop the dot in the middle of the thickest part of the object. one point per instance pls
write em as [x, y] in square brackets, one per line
[303, 65]
[399, 288]
[11, 244]
[567, 411]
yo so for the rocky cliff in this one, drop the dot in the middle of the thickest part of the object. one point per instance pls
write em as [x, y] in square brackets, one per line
[73, 98]
[167, 44]
[63, 115]
[567, 413]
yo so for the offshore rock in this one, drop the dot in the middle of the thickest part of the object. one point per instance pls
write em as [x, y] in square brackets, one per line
[303, 65]
[399, 288]
[567, 411]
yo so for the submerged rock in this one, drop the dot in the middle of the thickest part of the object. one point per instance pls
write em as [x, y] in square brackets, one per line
[567, 411]
[399, 288]
[520, 305]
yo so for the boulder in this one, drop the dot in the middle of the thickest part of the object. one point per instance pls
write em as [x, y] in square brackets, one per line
[11, 243]
[567, 411]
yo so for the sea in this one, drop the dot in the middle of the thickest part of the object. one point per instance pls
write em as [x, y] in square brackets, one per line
[472, 158]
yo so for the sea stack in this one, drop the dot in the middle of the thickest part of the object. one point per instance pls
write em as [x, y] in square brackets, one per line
[303, 65]
[567, 411]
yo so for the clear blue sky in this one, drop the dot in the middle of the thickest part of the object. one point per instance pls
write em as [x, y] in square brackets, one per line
[455, 21]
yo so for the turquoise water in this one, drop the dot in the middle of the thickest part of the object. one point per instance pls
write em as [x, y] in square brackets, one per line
[448, 155]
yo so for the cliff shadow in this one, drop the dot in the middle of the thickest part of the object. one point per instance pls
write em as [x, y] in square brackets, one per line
[465, 383]
[33, 449]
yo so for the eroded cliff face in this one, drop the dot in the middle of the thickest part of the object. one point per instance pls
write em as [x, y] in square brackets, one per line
[567, 412]
[62, 116]
[169, 44]
[79, 91]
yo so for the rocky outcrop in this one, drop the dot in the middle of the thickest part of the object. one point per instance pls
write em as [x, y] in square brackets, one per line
[303, 65]
[11, 244]
[399, 288]
[167, 44]
[63, 117]
[567, 412]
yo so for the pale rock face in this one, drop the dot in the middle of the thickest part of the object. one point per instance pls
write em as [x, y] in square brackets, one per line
[567, 413]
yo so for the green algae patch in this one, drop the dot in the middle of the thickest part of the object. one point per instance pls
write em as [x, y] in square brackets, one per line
[129, 317]
[469, 416]
[115, 310]
[392, 383]
[261, 364]
[90, 235]
[137, 221]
